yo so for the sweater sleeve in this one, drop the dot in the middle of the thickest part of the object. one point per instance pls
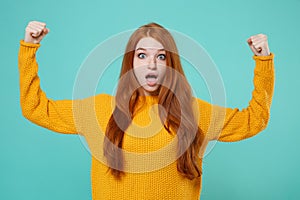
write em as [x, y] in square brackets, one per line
[56, 115]
[232, 124]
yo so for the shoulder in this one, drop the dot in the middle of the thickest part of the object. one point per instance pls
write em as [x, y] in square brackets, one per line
[98, 99]
[100, 106]
[103, 98]
[100, 103]
[202, 104]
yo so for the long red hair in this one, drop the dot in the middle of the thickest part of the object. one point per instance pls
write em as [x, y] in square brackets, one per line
[177, 115]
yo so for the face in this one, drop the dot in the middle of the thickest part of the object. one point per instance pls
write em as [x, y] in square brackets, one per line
[149, 64]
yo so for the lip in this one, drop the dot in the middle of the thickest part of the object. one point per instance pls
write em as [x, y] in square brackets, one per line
[151, 74]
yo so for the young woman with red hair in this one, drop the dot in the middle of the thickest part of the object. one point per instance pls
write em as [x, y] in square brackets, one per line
[147, 142]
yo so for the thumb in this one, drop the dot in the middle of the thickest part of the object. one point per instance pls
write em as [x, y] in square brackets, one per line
[253, 49]
[249, 41]
[45, 31]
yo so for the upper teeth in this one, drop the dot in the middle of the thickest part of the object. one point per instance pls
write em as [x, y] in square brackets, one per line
[150, 76]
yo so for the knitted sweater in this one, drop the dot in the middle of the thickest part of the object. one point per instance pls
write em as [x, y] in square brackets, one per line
[150, 161]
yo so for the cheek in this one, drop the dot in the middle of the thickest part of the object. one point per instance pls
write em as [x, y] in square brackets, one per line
[163, 72]
[138, 63]
[138, 72]
[135, 63]
[161, 63]
[136, 67]
[162, 69]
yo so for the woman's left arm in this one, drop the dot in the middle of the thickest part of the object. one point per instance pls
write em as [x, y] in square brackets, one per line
[245, 123]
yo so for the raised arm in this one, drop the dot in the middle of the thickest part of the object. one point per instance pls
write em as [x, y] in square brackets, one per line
[36, 107]
[229, 125]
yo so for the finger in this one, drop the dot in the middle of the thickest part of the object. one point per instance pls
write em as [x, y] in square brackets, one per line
[36, 23]
[36, 30]
[46, 31]
[258, 41]
[256, 49]
[38, 26]
[253, 49]
[249, 41]
[31, 30]
[258, 38]
[39, 23]
[259, 35]
[259, 44]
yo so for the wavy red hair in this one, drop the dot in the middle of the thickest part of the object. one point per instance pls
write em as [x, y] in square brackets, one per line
[178, 114]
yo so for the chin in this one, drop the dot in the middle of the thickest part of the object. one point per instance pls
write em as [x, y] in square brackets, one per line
[151, 91]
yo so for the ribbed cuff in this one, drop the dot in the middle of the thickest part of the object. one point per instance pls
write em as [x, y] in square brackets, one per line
[26, 44]
[264, 64]
[28, 50]
[270, 57]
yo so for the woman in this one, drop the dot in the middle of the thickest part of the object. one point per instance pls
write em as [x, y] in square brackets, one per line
[147, 142]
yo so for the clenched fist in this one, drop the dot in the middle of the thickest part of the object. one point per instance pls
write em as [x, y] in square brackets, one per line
[259, 45]
[35, 32]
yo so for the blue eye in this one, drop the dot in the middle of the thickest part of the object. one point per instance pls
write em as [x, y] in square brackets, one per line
[142, 55]
[161, 57]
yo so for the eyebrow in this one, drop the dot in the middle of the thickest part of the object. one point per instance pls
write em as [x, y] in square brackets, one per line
[140, 48]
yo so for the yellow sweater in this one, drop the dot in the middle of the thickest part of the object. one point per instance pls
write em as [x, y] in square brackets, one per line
[150, 161]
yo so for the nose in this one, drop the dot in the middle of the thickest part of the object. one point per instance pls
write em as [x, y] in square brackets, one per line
[152, 63]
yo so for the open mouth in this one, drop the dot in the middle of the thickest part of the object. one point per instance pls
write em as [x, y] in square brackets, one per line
[151, 79]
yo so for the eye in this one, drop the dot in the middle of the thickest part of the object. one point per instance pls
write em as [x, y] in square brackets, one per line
[142, 55]
[161, 57]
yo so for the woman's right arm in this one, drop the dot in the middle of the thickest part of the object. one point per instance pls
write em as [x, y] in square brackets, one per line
[36, 107]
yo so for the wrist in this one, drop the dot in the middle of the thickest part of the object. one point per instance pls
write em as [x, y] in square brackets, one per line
[263, 57]
[29, 44]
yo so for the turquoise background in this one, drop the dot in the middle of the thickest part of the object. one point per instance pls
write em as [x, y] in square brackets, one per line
[39, 164]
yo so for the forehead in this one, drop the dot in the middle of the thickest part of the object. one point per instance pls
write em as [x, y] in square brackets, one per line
[149, 43]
